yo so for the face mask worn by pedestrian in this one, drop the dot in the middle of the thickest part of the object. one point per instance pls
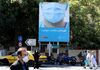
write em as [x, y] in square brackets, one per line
[54, 12]
[25, 59]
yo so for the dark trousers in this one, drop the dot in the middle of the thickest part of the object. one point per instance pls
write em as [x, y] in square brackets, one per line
[36, 64]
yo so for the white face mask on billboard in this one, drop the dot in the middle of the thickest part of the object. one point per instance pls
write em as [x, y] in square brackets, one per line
[54, 12]
[25, 59]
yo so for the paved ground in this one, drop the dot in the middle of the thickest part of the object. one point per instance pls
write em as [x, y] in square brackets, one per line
[50, 67]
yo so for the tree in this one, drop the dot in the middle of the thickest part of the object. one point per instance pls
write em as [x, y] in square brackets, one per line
[18, 19]
[22, 19]
[84, 14]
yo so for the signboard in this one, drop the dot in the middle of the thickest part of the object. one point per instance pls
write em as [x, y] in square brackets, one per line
[31, 42]
[49, 48]
[20, 44]
[20, 38]
[54, 22]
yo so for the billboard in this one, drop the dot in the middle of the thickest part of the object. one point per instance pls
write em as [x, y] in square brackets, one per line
[54, 22]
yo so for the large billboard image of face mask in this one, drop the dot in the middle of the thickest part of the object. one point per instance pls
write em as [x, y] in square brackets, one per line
[54, 22]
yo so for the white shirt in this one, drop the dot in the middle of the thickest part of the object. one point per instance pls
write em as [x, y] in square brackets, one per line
[88, 57]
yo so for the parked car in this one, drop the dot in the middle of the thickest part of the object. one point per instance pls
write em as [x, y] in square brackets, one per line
[9, 59]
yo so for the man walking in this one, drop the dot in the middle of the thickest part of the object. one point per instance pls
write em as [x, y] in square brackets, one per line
[36, 59]
[20, 64]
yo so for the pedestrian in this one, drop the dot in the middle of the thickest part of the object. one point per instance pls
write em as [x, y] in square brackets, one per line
[93, 60]
[20, 63]
[36, 59]
[84, 54]
[88, 59]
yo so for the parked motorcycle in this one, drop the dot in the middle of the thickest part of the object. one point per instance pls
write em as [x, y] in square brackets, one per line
[69, 60]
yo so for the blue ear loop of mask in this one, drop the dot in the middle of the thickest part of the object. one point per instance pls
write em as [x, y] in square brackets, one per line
[54, 12]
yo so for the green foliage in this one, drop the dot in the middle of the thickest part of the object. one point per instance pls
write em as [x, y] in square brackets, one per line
[18, 19]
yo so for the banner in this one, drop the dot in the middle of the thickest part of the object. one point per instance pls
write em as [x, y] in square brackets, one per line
[54, 22]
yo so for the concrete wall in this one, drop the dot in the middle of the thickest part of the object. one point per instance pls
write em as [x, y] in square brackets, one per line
[76, 52]
[99, 58]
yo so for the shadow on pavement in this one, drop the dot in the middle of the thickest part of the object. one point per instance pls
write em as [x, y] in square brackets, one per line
[61, 66]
